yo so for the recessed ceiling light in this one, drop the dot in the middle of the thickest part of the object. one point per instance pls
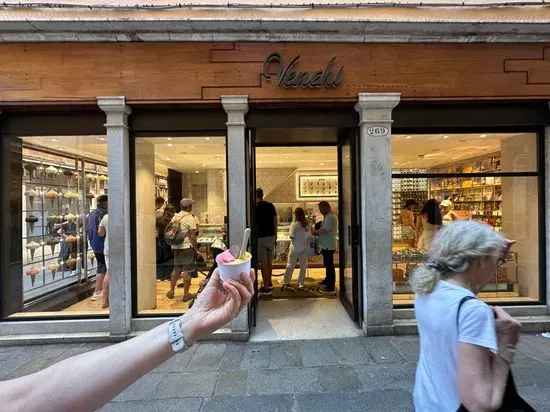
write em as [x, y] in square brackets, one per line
[207, 138]
[168, 158]
[322, 164]
[53, 140]
[396, 163]
[59, 148]
[408, 137]
[445, 137]
[218, 157]
[196, 171]
[204, 164]
[168, 138]
[170, 145]
[286, 157]
[101, 138]
[482, 135]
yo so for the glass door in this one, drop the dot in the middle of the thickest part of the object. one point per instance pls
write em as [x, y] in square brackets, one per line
[251, 209]
[350, 245]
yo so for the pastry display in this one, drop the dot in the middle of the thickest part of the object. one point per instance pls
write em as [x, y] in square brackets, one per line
[32, 272]
[71, 263]
[409, 255]
[52, 195]
[32, 246]
[70, 196]
[52, 171]
[53, 269]
[31, 194]
[31, 220]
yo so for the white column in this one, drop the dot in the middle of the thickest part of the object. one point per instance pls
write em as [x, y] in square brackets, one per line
[547, 210]
[375, 119]
[120, 296]
[236, 108]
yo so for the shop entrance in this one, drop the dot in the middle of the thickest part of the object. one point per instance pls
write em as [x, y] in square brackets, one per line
[297, 169]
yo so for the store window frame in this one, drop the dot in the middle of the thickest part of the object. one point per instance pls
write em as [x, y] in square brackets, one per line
[42, 121]
[134, 137]
[539, 174]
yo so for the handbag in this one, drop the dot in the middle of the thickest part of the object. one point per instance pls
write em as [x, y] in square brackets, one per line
[310, 245]
[511, 402]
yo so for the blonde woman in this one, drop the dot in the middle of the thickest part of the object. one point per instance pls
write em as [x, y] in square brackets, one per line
[466, 346]
[299, 231]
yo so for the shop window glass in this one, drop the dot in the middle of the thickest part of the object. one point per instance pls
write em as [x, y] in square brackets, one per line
[167, 170]
[52, 183]
[470, 183]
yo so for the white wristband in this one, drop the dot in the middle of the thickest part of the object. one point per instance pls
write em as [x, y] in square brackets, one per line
[175, 336]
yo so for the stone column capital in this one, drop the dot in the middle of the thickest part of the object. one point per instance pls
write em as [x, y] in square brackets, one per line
[376, 107]
[236, 107]
[116, 109]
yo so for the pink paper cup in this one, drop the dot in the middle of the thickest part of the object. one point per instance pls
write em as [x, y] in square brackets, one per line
[234, 270]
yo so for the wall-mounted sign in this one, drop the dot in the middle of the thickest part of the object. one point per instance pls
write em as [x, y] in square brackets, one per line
[317, 186]
[285, 75]
[377, 131]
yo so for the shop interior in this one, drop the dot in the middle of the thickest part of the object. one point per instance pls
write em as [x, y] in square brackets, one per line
[62, 177]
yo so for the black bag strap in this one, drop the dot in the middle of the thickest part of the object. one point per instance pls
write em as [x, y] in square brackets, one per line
[464, 299]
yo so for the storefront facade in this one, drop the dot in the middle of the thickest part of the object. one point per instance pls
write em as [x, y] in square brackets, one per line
[109, 118]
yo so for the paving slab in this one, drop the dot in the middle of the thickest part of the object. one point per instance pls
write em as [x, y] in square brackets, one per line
[280, 403]
[386, 376]
[318, 353]
[338, 379]
[207, 356]
[285, 355]
[282, 381]
[231, 383]
[382, 352]
[256, 355]
[381, 401]
[187, 385]
[233, 356]
[142, 389]
[158, 405]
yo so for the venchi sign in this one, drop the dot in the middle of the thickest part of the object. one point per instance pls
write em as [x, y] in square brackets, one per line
[285, 75]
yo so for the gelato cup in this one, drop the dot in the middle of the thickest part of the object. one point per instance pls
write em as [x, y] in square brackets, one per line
[231, 268]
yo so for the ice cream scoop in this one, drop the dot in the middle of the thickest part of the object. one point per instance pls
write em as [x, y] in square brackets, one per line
[32, 272]
[69, 217]
[31, 193]
[31, 220]
[71, 263]
[53, 269]
[102, 178]
[52, 241]
[91, 256]
[52, 195]
[70, 239]
[225, 257]
[53, 218]
[232, 269]
[32, 246]
[52, 170]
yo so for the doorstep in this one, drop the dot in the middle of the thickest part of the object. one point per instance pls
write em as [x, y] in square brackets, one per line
[47, 338]
[529, 324]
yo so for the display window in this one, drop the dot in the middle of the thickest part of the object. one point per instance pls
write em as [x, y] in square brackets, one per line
[490, 178]
[168, 170]
[55, 262]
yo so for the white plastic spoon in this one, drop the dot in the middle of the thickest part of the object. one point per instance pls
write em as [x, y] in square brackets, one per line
[245, 243]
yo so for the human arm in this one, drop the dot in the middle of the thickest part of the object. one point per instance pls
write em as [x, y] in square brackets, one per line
[101, 228]
[482, 375]
[86, 382]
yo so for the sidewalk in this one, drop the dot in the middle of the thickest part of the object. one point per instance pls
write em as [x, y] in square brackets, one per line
[357, 374]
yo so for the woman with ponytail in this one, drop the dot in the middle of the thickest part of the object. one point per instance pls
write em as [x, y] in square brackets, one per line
[466, 346]
[298, 233]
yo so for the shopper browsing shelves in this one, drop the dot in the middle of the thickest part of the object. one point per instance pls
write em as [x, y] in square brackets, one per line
[448, 216]
[299, 232]
[97, 242]
[266, 226]
[407, 222]
[327, 242]
[180, 233]
[428, 224]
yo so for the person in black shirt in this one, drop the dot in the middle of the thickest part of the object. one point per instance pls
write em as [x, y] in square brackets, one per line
[266, 225]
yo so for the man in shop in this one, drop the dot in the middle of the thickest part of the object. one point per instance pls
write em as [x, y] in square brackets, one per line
[159, 206]
[97, 243]
[327, 243]
[184, 253]
[266, 226]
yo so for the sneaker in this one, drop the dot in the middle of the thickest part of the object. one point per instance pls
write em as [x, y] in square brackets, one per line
[301, 287]
[97, 296]
[322, 283]
[285, 286]
[326, 291]
[188, 297]
[170, 295]
[265, 291]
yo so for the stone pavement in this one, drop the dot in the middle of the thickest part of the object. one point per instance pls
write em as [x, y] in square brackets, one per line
[359, 374]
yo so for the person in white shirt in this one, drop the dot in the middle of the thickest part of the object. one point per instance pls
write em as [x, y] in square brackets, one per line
[466, 346]
[184, 253]
[298, 233]
[103, 231]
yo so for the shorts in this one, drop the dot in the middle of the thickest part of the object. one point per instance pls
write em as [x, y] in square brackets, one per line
[266, 245]
[101, 266]
[184, 260]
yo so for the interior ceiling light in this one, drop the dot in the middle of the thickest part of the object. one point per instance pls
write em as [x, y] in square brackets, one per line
[168, 138]
[204, 164]
[322, 164]
[170, 145]
[408, 137]
[482, 135]
[101, 138]
[218, 157]
[53, 140]
[207, 138]
[445, 137]
[168, 158]
[196, 171]
[286, 157]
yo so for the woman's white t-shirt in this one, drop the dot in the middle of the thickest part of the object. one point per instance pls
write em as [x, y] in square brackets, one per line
[298, 235]
[435, 386]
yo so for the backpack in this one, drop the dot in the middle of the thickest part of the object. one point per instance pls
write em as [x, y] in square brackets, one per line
[173, 235]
